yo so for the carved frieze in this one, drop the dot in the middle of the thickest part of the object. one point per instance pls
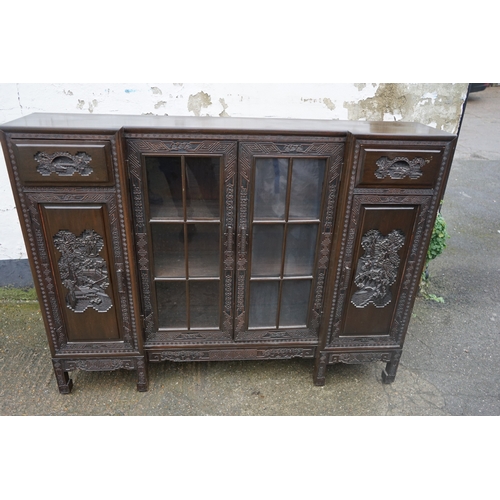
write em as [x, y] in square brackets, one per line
[63, 164]
[399, 167]
[378, 268]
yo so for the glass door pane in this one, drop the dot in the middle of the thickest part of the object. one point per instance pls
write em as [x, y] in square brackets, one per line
[185, 226]
[287, 200]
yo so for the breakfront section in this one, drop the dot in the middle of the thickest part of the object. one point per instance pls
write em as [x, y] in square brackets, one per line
[233, 236]
[74, 217]
[390, 203]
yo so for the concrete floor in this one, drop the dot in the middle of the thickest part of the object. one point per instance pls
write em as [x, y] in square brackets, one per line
[449, 364]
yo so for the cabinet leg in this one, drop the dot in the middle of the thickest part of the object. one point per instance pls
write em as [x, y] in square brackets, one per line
[389, 374]
[319, 376]
[142, 376]
[64, 383]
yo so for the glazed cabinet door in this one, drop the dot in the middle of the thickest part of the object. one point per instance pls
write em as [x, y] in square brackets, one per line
[287, 197]
[183, 201]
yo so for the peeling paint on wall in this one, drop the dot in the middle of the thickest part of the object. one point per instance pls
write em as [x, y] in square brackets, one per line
[160, 104]
[198, 101]
[224, 106]
[328, 103]
[415, 102]
[93, 104]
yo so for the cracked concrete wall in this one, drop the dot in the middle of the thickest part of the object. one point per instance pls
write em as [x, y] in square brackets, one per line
[439, 105]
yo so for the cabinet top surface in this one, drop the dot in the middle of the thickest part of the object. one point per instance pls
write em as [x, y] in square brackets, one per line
[93, 123]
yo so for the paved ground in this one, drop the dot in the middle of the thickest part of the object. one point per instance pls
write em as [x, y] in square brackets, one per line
[449, 365]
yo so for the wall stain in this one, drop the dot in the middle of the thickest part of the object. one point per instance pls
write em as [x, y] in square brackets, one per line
[224, 106]
[198, 101]
[159, 104]
[328, 103]
[156, 90]
[92, 105]
[360, 86]
[410, 102]
[68, 92]
[80, 104]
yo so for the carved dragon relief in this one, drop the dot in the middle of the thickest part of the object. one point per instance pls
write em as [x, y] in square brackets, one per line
[83, 271]
[63, 164]
[377, 268]
[399, 167]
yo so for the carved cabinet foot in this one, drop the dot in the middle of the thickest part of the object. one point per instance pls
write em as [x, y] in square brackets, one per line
[389, 374]
[142, 376]
[64, 383]
[319, 376]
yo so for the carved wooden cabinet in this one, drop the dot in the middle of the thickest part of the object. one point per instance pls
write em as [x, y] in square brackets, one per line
[197, 239]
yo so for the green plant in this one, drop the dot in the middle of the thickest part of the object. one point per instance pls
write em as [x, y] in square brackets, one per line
[436, 248]
[438, 239]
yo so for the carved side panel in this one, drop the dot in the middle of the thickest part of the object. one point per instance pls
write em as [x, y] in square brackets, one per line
[83, 271]
[79, 245]
[373, 286]
[377, 268]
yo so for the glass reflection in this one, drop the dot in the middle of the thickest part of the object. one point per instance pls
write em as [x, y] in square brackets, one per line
[164, 174]
[172, 307]
[204, 304]
[307, 186]
[263, 304]
[267, 244]
[300, 249]
[294, 302]
[202, 187]
[271, 179]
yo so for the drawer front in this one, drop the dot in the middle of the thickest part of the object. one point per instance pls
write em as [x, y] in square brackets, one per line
[63, 163]
[399, 166]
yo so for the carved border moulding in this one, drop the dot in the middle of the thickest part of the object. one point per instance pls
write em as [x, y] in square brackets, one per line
[399, 167]
[353, 358]
[232, 354]
[377, 268]
[83, 271]
[97, 365]
[63, 164]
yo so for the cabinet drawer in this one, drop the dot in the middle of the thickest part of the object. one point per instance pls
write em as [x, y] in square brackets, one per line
[406, 166]
[58, 163]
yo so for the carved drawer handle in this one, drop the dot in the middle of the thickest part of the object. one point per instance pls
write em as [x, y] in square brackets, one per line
[63, 164]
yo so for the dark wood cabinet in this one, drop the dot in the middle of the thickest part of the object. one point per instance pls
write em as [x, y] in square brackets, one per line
[197, 239]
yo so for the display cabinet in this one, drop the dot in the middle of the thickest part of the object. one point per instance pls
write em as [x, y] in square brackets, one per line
[195, 239]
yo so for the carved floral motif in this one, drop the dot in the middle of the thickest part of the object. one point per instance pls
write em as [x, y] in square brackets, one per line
[83, 271]
[378, 268]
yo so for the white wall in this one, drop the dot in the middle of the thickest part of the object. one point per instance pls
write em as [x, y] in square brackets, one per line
[438, 105]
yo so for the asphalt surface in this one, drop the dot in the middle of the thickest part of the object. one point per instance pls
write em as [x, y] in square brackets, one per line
[449, 364]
